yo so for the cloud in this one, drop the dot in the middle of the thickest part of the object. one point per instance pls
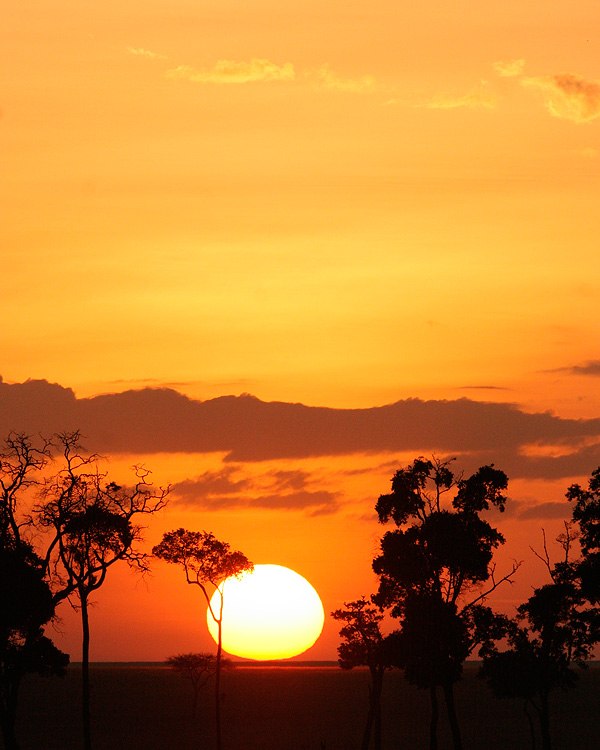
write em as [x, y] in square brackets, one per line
[277, 490]
[529, 509]
[141, 52]
[246, 429]
[509, 68]
[547, 510]
[477, 97]
[590, 368]
[210, 484]
[482, 388]
[329, 79]
[230, 71]
[568, 96]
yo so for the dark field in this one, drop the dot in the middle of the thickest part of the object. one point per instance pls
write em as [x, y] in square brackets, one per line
[284, 708]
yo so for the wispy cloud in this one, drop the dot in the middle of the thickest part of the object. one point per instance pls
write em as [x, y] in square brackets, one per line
[141, 52]
[329, 79]
[482, 388]
[276, 490]
[547, 510]
[230, 71]
[568, 96]
[590, 368]
[509, 68]
[479, 97]
[261, 70]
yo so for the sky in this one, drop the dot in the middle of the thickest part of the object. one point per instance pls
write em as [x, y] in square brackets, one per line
[276, 251]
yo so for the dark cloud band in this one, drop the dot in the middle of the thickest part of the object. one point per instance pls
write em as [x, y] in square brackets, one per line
[153, 420]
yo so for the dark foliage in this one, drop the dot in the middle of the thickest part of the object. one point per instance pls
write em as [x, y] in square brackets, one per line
[559, 625]
[440, 553]
[364, 645]
[26, 601]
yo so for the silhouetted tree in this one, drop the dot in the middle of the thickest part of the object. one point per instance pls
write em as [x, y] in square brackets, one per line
[92, 520]
[364, 645]
[206, 562]
[586, 517]
[198, 668]
[554, 629]
[26, 602]
[26, 606]
[427, 567]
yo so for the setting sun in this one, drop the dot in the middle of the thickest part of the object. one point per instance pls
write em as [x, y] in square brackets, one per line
[272, 613]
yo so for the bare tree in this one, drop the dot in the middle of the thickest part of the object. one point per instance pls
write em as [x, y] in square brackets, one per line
[206, 562]
[93, 526]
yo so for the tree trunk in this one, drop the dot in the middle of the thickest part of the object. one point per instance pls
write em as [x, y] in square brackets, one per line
[7, 722]
[433, 722]
[85, 673]
[366, 738]
[454, 728]
[8, 733]
[218, 683]
[374, 715]
[377, 697]
[545, 720]
[8, 708]
[531, 724]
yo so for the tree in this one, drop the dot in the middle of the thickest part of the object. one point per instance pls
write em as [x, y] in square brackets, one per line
[430, 563]
[554, 629]
[206, 562]
[586, 516]
[198, 668]
[27, 606]
[92, 520]
[364, 645]
[26, 600]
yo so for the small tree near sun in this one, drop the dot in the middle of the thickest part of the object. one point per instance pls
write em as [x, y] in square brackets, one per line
[198, 668]
[207, 562]
[364, 645]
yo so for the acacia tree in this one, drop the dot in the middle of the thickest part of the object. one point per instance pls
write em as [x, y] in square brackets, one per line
[93, 525]
[364, 645]
[25, 597]
[430, 564]
[207, 562]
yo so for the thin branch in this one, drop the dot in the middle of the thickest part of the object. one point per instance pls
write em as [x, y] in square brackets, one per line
[508, 577]
[546, 558]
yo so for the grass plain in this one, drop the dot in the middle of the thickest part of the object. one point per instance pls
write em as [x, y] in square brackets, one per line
[284, 708]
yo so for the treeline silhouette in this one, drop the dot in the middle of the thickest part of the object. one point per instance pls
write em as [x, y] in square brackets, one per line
[435, 573]
[64, 524]
[91, 525]
[54, 490]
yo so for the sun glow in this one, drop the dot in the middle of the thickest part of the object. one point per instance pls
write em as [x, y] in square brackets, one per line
[272, 613]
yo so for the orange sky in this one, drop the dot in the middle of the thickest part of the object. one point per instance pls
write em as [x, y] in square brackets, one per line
[334, 203]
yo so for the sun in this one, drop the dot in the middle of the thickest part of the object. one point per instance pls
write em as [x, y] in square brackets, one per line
[271, 613]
